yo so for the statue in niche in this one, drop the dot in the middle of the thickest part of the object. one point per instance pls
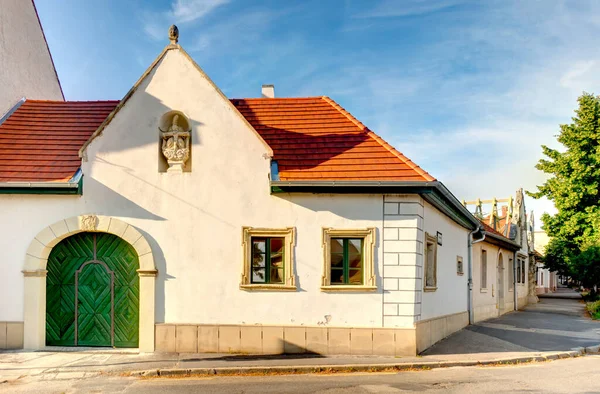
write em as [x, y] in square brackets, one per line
[176, 146]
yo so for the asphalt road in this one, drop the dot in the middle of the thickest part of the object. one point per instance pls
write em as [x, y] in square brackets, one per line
[579, 375]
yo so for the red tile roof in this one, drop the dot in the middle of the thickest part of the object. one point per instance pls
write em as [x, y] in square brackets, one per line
[41, 139]
[311, 138]
[315, 139]
[490, 230]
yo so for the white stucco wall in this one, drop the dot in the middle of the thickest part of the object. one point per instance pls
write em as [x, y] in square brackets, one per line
[486, 300]
[193, 221]
[25, 63]
[451, 294]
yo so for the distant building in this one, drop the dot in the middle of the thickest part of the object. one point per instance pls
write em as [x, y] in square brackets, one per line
[546, 281]
[504, 260]
[26, 67]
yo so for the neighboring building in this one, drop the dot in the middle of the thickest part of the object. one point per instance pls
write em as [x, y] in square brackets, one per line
[26, 65]
[546, 280]
[178, 220]
[494, 275]
[504, 260]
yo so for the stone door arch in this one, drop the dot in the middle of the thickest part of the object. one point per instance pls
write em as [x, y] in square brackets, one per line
[35, 265]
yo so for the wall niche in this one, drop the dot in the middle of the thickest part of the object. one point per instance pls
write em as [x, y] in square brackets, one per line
[174, 143]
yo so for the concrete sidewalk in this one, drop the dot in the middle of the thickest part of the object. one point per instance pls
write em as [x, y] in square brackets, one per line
[562, 292]
[81, 364]
[553, 324]
[550, 329]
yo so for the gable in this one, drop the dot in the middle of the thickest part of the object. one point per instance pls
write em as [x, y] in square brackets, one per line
[184, 64]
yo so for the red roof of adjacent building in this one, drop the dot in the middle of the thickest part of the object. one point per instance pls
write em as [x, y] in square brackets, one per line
[311, 138]
[490, 229]
[315, 139]
[40, 141]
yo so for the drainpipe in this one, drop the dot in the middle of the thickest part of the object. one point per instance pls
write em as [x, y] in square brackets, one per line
[470, 243]
[515, 295]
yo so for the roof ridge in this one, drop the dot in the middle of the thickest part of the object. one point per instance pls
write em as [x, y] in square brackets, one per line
[71, 101]
[279, 98]
[380, 140]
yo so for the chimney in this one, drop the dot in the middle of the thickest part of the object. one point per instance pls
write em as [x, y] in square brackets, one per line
[268, 91]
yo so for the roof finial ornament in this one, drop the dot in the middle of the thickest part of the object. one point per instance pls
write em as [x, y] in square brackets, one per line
[173, 34]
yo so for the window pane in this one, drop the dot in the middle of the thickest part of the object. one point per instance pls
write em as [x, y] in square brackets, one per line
[355, 261]
[337, 245]
[258, 252]
[258, 260]
[276, 246]
[355, 246]
[337, 260]
[258, 275]
[430, 268]
[337, 276]
[259, 244]
[276, 265]
[430, 256]
[276, 275]
[355, 277]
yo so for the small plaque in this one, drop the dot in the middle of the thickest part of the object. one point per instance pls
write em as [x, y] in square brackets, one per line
[439, 238]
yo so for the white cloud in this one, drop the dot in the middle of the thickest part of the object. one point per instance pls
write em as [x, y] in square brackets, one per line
[184, 11]
[394, 8]
[180, 12]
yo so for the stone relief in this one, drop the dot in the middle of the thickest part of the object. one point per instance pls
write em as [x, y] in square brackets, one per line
[176, 146]
[89, 222]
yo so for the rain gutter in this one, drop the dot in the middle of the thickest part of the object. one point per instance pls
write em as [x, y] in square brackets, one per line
[72, 186]
[434, 192]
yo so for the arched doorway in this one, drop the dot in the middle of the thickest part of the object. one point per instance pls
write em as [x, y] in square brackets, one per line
[500, 284]
[35, 272]
[92, 292]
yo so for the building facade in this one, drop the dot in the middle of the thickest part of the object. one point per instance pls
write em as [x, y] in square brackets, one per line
[178, 220]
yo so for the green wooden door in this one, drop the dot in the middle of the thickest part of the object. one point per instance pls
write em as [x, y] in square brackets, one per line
[94, 293]
[96, 272]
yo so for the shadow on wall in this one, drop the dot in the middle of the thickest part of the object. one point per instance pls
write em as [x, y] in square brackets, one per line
[161, 265]
[120, 206]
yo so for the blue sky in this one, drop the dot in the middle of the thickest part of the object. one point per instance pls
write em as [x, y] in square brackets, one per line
[469, 90]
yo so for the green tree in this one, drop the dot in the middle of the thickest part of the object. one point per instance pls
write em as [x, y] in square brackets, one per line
[574, 178]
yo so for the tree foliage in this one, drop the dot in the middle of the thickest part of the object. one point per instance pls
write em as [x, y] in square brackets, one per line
[574, 179]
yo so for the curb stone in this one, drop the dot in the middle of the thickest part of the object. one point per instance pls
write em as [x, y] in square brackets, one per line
[592, 349]
[348, 368]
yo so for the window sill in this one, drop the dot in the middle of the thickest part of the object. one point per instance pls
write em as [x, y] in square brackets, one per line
[258, 287]
[348, 288]
[460, 273]
[485, 290]
[428, 289]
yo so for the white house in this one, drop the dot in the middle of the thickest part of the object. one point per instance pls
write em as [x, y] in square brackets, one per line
[178, 220]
